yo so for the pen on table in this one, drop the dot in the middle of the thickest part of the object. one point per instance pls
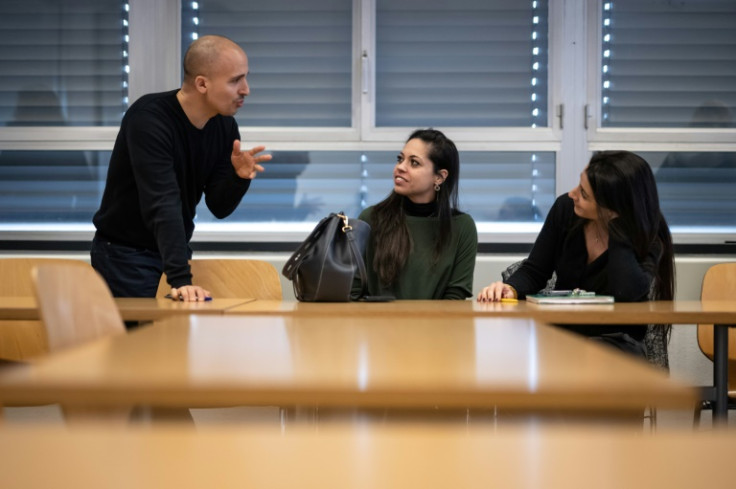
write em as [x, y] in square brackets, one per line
[168, 296]
[509, 300]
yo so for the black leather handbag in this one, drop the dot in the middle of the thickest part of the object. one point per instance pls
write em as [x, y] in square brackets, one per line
[324, 266]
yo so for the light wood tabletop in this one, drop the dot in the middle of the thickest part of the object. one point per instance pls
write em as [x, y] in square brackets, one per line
[654, 312]
[144, 309]
[399, 361]
[345, 456]
[131, 308]
[18, 308]
[720, 313]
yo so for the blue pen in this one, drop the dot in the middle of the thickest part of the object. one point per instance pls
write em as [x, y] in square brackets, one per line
[168, 296]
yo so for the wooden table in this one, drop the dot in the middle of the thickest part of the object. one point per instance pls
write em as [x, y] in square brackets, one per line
[362, 361]
[144, 309]
[720, 313]
[18, 308]
[654, 312]
[131, 308]
[341, 456]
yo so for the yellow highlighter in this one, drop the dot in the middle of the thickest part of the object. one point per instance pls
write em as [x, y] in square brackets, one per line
[509, 300]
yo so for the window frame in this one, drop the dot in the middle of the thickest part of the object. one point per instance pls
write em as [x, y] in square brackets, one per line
[646, 138]
[572, 130]
[637, 138]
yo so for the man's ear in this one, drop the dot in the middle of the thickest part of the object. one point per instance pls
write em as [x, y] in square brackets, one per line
[201, 83]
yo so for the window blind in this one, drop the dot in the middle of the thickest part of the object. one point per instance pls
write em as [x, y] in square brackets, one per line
[51, 187]
[696, 188]
[461, 63]
[299, 55]
[668, 64]
[63, 62]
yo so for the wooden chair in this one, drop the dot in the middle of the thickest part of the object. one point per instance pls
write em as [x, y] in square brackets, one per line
[76, 305]
[21, 340]
[233, 278]
[719, 284]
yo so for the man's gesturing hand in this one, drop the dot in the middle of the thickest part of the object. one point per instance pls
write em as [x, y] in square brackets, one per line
[246, 163]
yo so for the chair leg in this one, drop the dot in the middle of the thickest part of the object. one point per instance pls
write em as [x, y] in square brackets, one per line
[696, 413]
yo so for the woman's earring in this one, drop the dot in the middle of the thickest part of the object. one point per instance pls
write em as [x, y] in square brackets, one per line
[436, 187]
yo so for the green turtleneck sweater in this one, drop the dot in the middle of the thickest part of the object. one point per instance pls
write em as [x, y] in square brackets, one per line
[450, 277]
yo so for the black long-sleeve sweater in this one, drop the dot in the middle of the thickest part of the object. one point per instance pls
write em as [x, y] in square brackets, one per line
[160, 167]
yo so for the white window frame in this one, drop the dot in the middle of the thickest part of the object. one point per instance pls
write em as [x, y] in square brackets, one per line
[572, 131]
[648, 139]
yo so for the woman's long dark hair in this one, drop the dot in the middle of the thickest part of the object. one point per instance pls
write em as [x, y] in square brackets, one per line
[390, 234]
[624, 183]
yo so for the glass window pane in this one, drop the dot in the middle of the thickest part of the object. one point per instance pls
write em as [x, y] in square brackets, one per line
[461, 63]
[696, 188]
[306, 186]
[507, 186]
[668, 64]
[51, 186]
[299, 55]
[63, 62]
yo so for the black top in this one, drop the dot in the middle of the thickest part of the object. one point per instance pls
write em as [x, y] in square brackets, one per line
[160, 166]
[419, 210]
[560, 248]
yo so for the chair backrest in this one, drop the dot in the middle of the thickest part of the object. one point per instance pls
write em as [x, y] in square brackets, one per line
[75, 303]
[233, 278]
[719, 284]
[15, 274]
[22, 339]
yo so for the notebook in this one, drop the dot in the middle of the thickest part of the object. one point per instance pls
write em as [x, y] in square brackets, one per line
[569, 299]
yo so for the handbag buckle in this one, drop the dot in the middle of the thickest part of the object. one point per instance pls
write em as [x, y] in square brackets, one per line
[345, 225]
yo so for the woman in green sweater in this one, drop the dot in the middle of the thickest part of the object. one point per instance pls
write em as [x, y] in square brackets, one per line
[422, 246]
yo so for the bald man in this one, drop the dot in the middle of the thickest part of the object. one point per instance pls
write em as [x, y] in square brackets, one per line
[172, 148]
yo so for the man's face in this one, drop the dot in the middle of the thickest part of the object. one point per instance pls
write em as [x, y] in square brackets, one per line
[227, 84]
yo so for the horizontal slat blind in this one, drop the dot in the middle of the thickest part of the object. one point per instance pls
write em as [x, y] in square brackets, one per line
[62, 62]
[461, 63]
[696, 188]
[669, 64]
[51, 186]
[299, 54]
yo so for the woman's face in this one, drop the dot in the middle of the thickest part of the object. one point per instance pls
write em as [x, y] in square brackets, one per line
[582, 196]
[414, 175]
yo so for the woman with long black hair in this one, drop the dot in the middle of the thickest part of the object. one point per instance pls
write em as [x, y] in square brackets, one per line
[422, 246]
[607, 236]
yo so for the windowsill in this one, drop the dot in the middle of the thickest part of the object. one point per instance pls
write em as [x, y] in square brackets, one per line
[295, 232]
